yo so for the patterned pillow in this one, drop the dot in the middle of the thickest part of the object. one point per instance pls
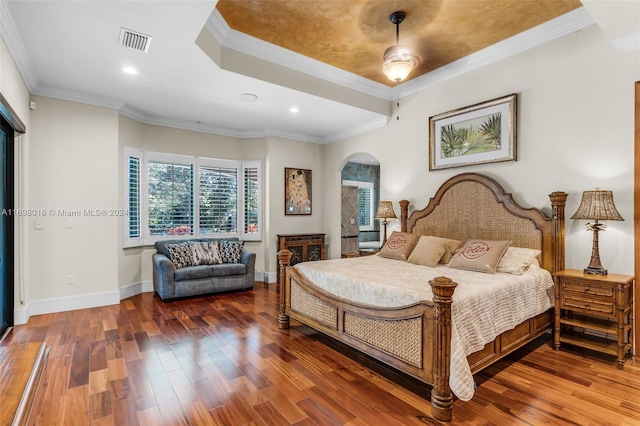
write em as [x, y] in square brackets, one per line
[479, 255]
[180, 254]
[399, 245]
[205, 252]
[231, 250]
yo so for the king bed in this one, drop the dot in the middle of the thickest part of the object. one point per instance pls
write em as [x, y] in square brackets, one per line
[439, 324]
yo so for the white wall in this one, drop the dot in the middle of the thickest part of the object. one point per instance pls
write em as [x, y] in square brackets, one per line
[72, 167]
[284, 153]
[575, 133]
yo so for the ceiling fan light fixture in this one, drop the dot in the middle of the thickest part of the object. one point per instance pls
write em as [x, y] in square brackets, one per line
[398, 60]
[398, 63]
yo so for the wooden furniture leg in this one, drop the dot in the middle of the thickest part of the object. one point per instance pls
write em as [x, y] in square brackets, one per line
[284, 257]
[441, 395]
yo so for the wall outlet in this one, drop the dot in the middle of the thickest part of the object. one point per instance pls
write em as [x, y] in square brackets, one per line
[70, 280]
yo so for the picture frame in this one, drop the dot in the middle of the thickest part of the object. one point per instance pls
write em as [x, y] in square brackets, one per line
[297, 191]
[482, 133]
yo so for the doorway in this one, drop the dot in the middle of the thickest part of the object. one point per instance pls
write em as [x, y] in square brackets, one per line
[360, 194]
[10, 124]
[6, 226]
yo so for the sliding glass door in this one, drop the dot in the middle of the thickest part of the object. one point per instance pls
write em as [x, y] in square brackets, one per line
[6, 227]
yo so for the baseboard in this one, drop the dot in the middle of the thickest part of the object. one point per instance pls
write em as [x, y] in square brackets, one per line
[134, 289]
[270, 277]
[62, 304]
[49, 306]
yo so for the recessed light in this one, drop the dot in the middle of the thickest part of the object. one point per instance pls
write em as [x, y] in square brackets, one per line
[248, 97]
[130, 70]
[294, 110]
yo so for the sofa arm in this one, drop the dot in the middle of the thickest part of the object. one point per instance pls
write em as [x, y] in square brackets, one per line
[163, 276]
[249, 259]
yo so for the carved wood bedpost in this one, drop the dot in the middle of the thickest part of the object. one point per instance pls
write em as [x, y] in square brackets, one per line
[441, 395]
[284, 257]
[558, 202]
[404, 215]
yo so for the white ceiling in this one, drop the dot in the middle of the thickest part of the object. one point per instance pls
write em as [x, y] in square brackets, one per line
[69, 50]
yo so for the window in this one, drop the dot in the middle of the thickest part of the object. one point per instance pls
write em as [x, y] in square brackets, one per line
[171, 195]
[365, 204]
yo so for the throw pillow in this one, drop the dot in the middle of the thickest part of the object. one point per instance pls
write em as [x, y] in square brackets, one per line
[205, 252]
[427, 252]
[399, 245]
[231, 251]
[450, 248]
[180, 254]
[516, 260]
[479, 255]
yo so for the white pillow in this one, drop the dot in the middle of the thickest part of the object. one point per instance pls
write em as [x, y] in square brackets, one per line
[516, 260]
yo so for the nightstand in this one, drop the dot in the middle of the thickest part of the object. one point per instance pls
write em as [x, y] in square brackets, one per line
[594, 312]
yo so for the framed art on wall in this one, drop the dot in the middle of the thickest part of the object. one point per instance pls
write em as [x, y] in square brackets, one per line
[297, 191]
[477, 134]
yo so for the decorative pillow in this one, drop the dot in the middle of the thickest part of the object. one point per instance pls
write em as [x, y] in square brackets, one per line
[231, 250]
[516, 260]
[180, 254]
[399, 245]
[450, 247]
[428, 251]
[479, 255]
[205, 252]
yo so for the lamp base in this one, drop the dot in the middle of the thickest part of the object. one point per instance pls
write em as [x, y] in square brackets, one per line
[595, 271]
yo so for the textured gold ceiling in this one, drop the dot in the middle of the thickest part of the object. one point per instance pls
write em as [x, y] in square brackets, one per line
[353, 34]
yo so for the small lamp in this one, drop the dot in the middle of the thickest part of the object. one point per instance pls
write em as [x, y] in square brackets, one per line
[385, 212]
[596, 205]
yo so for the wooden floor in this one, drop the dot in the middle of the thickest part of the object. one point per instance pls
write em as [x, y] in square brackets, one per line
[222, 360]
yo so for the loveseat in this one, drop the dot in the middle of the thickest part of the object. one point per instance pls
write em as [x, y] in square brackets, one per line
[181, 268]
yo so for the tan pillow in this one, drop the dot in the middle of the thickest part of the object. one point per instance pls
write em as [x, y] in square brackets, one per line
[479, 255]
[450, 248]
[428, 251]
[516, 260]
[399, 245]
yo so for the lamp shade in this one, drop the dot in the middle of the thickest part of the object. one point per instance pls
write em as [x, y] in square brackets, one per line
[597, 205]
[385, 210]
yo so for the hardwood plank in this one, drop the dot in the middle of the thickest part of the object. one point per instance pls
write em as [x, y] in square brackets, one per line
[222, 360]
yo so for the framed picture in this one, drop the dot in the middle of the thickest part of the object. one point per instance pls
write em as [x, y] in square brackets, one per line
[478, 134]
[297, 191]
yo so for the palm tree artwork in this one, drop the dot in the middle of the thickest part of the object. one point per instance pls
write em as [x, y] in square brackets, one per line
[476, 136]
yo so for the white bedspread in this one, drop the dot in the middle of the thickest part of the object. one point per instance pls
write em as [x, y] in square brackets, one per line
[484, 305]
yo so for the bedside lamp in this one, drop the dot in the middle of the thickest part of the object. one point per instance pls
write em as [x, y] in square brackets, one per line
[596, 205]
[385, 212]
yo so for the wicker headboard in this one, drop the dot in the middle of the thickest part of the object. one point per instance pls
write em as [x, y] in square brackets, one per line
[474, 206]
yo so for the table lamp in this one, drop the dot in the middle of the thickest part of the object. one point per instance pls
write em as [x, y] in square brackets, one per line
[596, 205]
[385, 212]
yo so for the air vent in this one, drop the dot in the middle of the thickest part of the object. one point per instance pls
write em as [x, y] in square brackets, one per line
[134, 40]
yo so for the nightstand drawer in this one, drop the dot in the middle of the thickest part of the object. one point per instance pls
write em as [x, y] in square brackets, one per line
[600, 307]
[589, 288]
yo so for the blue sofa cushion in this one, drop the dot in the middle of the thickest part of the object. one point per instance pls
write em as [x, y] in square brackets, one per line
[208, 271]
[193, 273]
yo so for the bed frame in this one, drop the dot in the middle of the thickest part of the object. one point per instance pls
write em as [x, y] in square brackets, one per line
[416, 339]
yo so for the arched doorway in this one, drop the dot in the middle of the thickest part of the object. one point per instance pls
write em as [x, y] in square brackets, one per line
[360, 193]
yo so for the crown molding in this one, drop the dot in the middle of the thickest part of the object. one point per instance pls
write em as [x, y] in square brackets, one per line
[261, 49]
[80, 97]
[16, 48]
[561, 26]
